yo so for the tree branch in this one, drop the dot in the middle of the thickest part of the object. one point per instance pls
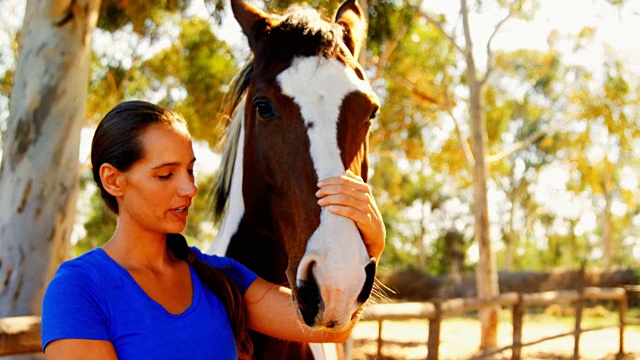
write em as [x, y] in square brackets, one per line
[411, 88]
[489, 69]
[390, 47]
[439, 27]
[517, 146]
[464, 145]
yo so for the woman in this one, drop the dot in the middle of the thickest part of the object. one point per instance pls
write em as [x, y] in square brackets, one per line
[145, 294]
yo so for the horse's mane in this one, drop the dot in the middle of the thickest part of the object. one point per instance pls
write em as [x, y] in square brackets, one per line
[222, 184]
[319, 38]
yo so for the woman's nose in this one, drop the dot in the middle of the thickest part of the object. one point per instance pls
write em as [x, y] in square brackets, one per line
[189, 188]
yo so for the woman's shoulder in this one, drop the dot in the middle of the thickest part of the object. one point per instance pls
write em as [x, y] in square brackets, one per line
[241, 274]
[88, 264]
[91, 268]
[76, 279]
[216, 260]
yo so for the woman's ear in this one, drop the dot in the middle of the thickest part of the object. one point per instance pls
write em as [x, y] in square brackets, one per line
[111, 179]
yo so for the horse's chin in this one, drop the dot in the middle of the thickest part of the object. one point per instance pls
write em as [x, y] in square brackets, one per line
[318, 322]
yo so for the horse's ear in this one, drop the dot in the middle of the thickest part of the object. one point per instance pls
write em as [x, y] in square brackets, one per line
[253, 21]
[351, 17]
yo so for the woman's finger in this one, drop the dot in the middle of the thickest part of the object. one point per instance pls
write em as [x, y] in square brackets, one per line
[355, 199]
[348, 179]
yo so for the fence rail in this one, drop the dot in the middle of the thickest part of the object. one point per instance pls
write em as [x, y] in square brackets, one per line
[438, 310]
[21, 335]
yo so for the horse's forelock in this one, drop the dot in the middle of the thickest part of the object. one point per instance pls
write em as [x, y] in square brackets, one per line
[302, 31]
[307, 19]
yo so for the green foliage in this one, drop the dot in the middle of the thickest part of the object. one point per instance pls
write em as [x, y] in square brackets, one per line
[201, 65]
[216, 9]
[387, 19]
[142, 15]
[191, 76]
[448, 254]
[6, 83]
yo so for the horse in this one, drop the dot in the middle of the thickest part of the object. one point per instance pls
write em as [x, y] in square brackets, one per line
[301, 111]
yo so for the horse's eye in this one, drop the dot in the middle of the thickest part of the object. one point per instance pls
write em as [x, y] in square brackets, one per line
[374, 113]
[264, 109]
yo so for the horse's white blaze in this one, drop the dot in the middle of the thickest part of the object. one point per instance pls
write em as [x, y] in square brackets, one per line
[318, 86]
[324, 351]
[235, 212]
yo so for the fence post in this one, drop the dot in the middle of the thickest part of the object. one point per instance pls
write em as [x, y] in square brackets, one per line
[576, 332]
[434, 331]
[578, 310]
[517, 315]
[623, 315]
[379, 339]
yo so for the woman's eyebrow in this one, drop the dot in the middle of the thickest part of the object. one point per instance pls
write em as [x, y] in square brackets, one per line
[174, 163]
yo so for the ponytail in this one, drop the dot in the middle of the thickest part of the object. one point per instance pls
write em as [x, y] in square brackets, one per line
[223, 287]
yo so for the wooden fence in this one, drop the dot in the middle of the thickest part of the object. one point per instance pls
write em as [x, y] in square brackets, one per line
[21, 335]
[434, 312]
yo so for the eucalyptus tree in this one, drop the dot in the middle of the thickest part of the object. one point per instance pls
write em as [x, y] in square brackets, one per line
[39, 169]
[474, 149]
[40, 149]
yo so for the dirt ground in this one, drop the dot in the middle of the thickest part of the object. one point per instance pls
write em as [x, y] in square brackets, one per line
[460, 339]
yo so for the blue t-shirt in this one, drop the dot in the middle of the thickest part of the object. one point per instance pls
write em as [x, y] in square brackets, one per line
[93, 297]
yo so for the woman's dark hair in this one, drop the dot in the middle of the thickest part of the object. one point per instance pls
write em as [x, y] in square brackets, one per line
[227, 291]
[117, 142]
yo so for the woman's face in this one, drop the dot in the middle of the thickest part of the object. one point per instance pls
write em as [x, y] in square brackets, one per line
[158, 189]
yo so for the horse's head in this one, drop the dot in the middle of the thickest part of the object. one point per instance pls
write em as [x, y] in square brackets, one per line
[308, 110]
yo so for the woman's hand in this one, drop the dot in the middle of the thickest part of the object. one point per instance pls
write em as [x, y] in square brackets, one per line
[348, 195]
[271, 312]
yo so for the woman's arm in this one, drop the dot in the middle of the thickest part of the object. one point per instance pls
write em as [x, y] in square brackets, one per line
[71, 349]
[350, 196]
[272, 313]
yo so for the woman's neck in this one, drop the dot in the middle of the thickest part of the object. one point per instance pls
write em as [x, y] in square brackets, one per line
[136, 249]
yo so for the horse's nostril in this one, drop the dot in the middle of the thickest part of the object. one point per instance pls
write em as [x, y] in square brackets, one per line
[309, 298]
[370, 270]
[332, 324]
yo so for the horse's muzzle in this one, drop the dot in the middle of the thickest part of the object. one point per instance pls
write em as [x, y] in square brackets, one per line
[310, 302]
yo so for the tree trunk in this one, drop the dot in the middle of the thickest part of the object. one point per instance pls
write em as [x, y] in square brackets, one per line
[364, 5]
[419, 241]
[486, 273]
[510, 236]
[509, 250]
[39, 170]
[607, 223]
